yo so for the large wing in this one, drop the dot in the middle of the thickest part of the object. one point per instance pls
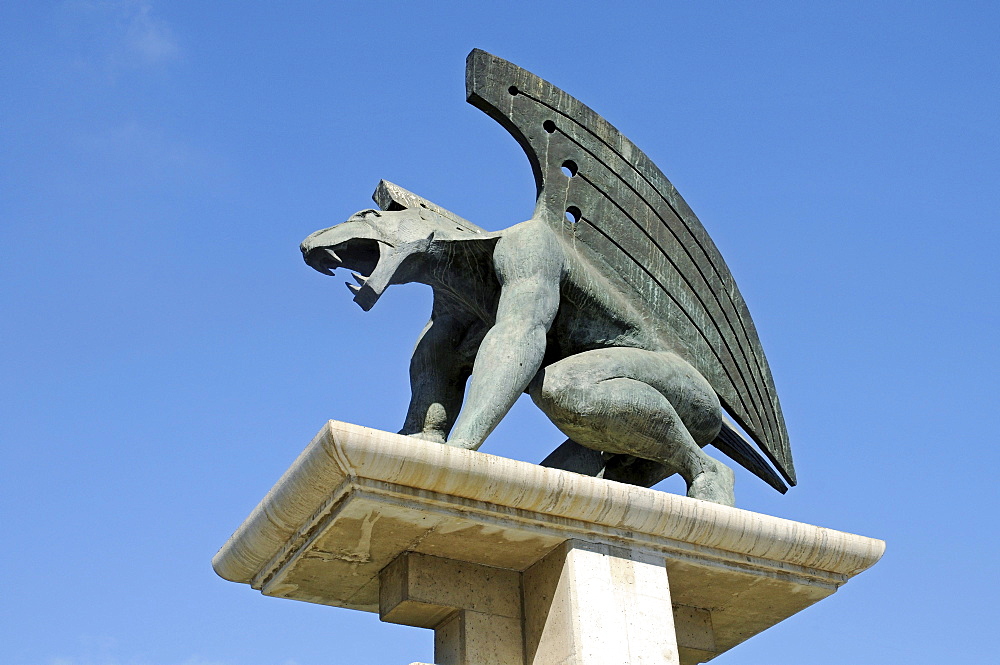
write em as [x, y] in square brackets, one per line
[595, 186]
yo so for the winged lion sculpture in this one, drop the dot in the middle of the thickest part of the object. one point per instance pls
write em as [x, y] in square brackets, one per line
[611, 307]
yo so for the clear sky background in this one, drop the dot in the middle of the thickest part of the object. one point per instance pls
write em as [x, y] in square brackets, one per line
[165, 354]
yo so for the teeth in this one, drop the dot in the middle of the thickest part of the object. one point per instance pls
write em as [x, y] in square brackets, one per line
[354, 289]
[333, 255]
[360, 279]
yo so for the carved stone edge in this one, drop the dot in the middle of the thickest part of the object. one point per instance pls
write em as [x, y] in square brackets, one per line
[342, 456]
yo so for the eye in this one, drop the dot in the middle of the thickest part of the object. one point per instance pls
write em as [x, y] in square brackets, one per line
[370, 211]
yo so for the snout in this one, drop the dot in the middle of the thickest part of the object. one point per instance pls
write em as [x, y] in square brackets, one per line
[323, 259]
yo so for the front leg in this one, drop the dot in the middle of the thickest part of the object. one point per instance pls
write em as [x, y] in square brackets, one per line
[529, 266]
[438, 373]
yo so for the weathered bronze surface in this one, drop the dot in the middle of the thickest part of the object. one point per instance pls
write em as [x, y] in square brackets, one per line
[611, 306]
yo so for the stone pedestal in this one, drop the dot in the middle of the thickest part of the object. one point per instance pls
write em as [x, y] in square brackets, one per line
[515, 564]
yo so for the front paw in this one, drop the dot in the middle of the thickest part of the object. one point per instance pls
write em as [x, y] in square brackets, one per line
[468, 444]
[433, 437]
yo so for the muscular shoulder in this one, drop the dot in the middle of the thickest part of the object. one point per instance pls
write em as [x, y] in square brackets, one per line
[527, 249]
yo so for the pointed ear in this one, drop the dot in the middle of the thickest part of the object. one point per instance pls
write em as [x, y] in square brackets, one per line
[466, 248]
[451, 236]
[479, 243]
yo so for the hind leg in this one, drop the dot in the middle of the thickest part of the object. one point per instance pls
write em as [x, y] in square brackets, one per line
[571, 456]
[650, 405]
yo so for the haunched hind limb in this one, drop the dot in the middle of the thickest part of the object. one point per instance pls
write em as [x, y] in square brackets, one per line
[634, 402]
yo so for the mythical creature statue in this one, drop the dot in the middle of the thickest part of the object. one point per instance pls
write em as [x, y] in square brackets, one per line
[611, 307]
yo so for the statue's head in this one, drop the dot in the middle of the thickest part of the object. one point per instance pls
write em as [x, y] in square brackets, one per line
[381, 247]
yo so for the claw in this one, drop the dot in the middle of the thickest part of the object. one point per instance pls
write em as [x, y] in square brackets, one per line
[360, 279]
[354, 289]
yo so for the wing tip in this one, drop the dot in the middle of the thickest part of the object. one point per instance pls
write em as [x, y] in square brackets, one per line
[476, 64]
[732, 444]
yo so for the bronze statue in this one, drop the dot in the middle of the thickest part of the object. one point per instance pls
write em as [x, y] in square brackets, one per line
[611, 306]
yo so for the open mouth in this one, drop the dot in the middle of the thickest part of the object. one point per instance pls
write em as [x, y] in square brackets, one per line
[358, 254]
[361, 256]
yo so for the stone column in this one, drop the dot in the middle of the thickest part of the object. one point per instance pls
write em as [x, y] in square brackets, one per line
[594, 604]
[475, 610]
[583, 604]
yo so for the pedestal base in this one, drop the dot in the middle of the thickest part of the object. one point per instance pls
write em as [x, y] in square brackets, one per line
[515, 564]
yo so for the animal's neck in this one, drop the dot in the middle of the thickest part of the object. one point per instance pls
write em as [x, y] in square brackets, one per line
[462, 274]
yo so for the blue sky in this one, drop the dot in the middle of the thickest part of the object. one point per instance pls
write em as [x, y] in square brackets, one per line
[166, 354]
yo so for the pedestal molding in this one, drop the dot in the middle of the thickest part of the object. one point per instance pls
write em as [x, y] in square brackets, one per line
[343, 456]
